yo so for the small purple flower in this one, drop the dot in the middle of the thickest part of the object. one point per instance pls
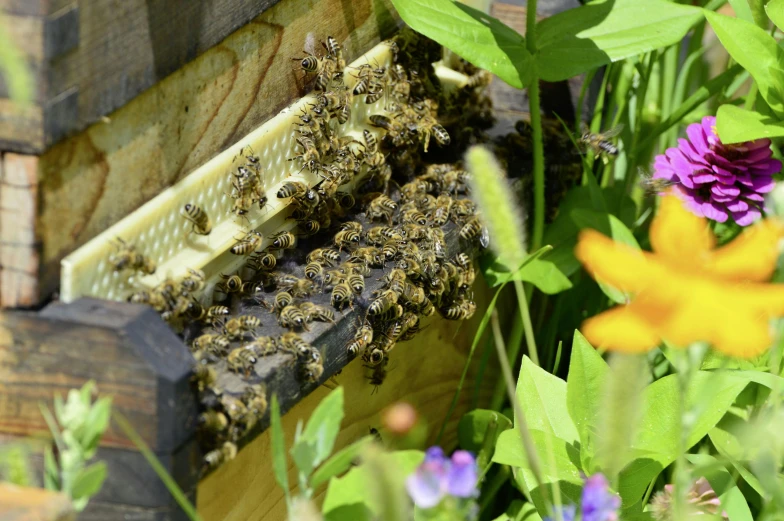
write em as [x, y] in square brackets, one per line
[716, 180]
[438, 476]
[597, 502]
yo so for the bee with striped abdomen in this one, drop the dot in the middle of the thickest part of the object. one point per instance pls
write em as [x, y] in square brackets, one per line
[199, 219]
[238, 326]
[292, 317]
[284, 240]
[241, 360]
[600, 143]
[316, 312]
[248, 244]
[127, 257]
[342, 296]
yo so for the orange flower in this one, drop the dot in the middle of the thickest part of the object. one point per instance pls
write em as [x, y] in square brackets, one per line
[687, 290]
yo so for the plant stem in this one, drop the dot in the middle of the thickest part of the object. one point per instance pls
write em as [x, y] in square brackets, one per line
[527, 327]
[534, 107]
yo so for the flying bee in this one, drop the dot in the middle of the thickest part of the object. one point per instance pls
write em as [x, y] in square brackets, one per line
[284, 240]
[600, 143]
[248, 244]
[292, 189]
[199, 219]
[378, 375]
[654, 185]
[342, 295]
[346, 239]
[382, 207]
[316, 312]
[126, 257]
[292, 317]
[363, 337]
[230, 283]
[227, 452]
[237, 327]
[460, 310]
[213, 421]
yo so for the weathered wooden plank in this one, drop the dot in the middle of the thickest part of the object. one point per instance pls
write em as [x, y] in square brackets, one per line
[424, 372]
[33, 504]
[127, 349]
[93, 179]
[18, 246]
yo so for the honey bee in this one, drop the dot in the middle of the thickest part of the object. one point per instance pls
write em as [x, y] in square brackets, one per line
[126, 257]
[255, 398]
[205, 377]
[356, 281]
[292, 317]
[316, 312]
[237, 327]
[193, 281]
[327, 73]
[212, 314]
[241, 360]
[370, 255]
[332, 277]
[309, 226]
[480, 78]
[263, 261]
[654, 185]
[292, 189]
[342, 295]
[362, 339]
[461, 310]
[309, 63]
[230, 283]
[139, 297]
[227, 452]
[283, 299]
[410, 325]
[304, 352]
[284, 240]
[311, 372]
[600, 143]
[313, 270]
[382, 303]
[213, 344]
[300, 287]
[378, 375]
[346, 239]
[373, 356]
[346, 200]
[213, 421]
[199, 219]
[375, 92]
[472, 229]
[413, 215]
[372, 156]
[248, 244]
[442, 210]
[463, 208]
[334, 49]
[344, 113]
[382, 207]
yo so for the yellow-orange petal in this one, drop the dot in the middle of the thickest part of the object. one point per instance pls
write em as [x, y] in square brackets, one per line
[617, 264]
[751, 256]
[763, 299]
[620, 329]
[678, 235]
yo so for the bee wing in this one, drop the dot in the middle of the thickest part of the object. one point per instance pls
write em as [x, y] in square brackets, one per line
[611, 133]
[484, 239]
[310, 44]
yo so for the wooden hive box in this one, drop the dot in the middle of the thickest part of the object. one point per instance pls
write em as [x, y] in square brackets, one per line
[131, 97]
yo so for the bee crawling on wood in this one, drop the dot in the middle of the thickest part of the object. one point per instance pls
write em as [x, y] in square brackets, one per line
[127, 257]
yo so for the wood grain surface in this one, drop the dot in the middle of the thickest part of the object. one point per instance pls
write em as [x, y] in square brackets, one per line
[91, 180]
[33, 504]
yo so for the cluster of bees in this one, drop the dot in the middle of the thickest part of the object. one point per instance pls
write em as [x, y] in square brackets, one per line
[386, 230]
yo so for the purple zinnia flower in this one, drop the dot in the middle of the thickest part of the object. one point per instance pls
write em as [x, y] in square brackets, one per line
[716, 180]
[438, 476]
[597, 502]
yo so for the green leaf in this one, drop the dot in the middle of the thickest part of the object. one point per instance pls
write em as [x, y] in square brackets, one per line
[473, 427]
[89, 481]
[304, 454]
[584, 386]
[775, 11]
[562, 466]
[587, 37]
[95, 424]
[756, 51]
[542, 273]
[353, 489]
[323, 425]
[742, 10]
[278, 447]
[340, 462]
[478, 37]
[51, 472]
[543, 400]
[612, 227]
[736, 125]
[657, 443]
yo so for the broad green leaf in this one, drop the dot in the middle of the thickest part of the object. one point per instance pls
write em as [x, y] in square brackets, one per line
[340, 462]
[542, 273]
[89, 481]
[354, 512]
[756, 51]
[519, 511]
[478, 37]
[324, 425]
[587, 37]
[775, 11]
[584, 386]
[95, 425]
[742, 10]
[708, 397]
[353, 489]
[561, 466]
[278, 446]
[473, 426]
[736, 125]
[543, 400]
[304, 454]
[733, 449]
